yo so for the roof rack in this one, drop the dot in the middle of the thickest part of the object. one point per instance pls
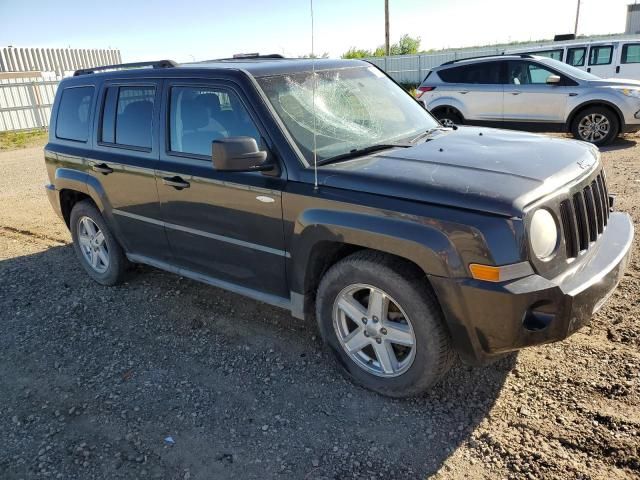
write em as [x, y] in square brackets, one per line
[521, 55]
[156, 64]
[253, 56]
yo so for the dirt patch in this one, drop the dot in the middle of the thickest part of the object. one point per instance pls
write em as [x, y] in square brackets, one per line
[166, 378]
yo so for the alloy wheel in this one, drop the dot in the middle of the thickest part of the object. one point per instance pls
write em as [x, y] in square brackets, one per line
[594, 127]
[374, 330]
[93, 245]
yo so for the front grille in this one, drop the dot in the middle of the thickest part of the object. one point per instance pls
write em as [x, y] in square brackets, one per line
[584, 215]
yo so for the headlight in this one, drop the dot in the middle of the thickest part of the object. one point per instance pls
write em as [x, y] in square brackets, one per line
[544, 234]
[631, 92]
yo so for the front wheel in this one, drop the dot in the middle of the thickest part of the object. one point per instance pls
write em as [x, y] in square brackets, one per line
[597, 125]
[383, 324]
[449, 119]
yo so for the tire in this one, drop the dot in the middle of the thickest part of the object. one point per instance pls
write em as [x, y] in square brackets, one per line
[581, 125]
[85, 216]
[449, 119]
[411, 304]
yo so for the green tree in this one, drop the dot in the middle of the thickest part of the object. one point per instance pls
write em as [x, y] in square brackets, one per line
[354, 52]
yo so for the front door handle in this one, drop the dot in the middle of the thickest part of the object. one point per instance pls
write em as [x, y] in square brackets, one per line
[464, 92]
[516, 92]
[618, 69]
[176, 182]
[102, 168]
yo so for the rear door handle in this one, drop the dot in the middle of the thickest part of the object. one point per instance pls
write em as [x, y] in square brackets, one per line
[516, 92]
[102, 168]
[176, 182]
[463, 92]
[618, 69]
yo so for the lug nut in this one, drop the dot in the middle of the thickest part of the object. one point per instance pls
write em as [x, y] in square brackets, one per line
[366, 334]
[378, 340]
[364, 320]
[383, 331]
[375, 319]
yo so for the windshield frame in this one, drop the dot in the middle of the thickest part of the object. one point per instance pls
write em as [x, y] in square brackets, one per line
[293, 143]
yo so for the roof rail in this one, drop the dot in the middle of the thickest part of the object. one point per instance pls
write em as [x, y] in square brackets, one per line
[155, 64]
[252, 56]
[521, 55]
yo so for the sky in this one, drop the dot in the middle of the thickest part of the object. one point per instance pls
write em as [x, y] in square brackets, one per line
[187, 30]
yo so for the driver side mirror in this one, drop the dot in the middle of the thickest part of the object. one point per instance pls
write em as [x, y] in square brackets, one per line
[239, 154]
[553, 79]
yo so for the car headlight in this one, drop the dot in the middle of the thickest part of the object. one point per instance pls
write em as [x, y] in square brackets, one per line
[544, 233]
[631, 92]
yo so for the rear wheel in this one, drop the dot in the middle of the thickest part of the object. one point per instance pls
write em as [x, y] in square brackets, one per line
[448, 118]
[97, 249]
[383, 324]
[597, 125]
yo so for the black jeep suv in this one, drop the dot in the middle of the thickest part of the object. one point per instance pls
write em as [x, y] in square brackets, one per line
[409, 242]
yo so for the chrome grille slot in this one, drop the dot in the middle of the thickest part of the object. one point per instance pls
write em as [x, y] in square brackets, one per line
[591, 213]
[569, 228]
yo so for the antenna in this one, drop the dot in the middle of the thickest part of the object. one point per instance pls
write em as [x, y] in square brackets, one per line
[313, 99]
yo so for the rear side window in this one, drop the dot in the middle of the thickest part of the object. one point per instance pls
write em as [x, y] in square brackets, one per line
[72, 122]
[631, 53]
[600, 55]
[127, 116]
[485, 73]
[576, 56]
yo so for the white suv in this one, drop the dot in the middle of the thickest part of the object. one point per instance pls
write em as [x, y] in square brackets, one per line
[528, 92]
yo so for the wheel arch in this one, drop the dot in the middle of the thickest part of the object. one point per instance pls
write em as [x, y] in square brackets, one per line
[447, 109]
[595, 103]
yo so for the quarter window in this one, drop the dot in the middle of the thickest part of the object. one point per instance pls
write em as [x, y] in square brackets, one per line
[631, 53]
[486, 73]
[576, 56]
[127, 116]
[600, 55]
[198, 116]
[73, 114]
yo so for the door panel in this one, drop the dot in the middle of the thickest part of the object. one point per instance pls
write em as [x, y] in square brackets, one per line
[127, 172]
[226, 225]
[528, 98]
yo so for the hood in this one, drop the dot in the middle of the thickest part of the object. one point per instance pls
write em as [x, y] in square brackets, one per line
[483, 169]
[614, 82]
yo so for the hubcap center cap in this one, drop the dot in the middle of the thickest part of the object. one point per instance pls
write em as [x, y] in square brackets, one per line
[373, 329]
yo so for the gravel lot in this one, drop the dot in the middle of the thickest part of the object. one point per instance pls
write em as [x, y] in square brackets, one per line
[94, 379]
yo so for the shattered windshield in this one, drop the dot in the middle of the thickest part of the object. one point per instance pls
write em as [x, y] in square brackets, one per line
[354, 108]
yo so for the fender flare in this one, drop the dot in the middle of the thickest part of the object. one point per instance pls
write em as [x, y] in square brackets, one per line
[424, 245]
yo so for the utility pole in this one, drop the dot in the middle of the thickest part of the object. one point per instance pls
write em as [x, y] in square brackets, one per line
[386, 28]
[575, 30]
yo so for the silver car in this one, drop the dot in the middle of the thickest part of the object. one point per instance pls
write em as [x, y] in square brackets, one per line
[528, 92]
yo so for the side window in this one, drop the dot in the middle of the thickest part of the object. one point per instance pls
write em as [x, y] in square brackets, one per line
[200, 115]
[484, 73]
[600, 55]
[527, 73]
[576, 56]
[631, 53]
[72, 122]
[555, 54]
[127, 116]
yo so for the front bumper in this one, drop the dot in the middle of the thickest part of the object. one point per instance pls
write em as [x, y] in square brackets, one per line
[487, 319]
[54, 199]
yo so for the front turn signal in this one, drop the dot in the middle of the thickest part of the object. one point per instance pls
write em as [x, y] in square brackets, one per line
[490, 273]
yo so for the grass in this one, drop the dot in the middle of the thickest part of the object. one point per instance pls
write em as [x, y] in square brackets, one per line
[24, 139]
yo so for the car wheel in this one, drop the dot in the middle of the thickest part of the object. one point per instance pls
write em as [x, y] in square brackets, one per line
[449, 119]
[97, 249]
[383, 324]
[597, 125]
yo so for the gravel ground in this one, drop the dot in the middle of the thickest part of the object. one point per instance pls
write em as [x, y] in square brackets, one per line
[94, 380]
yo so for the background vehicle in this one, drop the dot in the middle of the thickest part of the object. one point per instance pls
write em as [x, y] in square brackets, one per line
[605, 59]
[407, 242]
[532, 93]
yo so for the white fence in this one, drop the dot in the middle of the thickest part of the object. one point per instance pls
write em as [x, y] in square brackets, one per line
[413, 68]
[26, 104]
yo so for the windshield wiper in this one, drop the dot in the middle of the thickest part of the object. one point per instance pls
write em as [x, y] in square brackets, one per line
[357, 152]
[429, 132]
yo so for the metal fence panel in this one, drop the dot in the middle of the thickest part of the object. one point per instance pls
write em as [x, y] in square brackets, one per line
[26, 104]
